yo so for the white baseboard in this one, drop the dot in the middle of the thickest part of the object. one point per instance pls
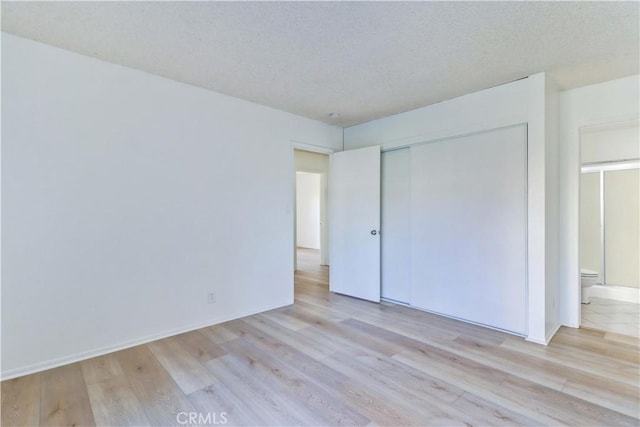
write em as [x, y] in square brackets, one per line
[536, 340]
[403, 304]
[54, 363]
[619, 293]
[551, 333]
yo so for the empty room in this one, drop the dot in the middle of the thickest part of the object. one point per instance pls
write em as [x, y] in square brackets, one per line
[320, 213]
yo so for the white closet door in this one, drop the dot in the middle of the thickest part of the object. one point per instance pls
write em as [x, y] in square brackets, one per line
[468, 228]
[354, 194]
[396, 225]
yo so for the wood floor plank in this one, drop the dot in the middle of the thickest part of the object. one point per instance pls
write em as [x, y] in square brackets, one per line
[199, 346]
[185, 369]
[623, 339]
[273, 343]
[100, 368]
[404, 377]
[341, 334]
[594, 388]
[566, 408]
[302, 343]
[401, 325]
[325, 314]
[115, 404]
[462, 369]
[274, 410]
[603, 391]
[159, 396]
[319, 405]
[285, 320]
[445, 324]
[21, 401]
[375, 407]
[546, 373]
[624, 353]
[447, 361]
[490, 414]
[219, 400]
[431, 400]
[411, 402]
[218, 333]
[64, 399]
[525, 397]
[577, 359]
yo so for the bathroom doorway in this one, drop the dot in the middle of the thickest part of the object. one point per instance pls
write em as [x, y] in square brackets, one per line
[610, 228]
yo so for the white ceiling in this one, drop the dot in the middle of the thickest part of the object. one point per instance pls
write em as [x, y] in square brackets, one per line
[364, 60]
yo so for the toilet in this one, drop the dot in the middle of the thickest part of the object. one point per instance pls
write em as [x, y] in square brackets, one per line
[588, 278]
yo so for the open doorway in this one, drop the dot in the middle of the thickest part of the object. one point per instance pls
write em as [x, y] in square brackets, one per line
[308, 222]
[311, 231]
[609, 228]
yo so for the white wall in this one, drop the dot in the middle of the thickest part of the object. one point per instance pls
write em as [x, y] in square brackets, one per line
[610, 144]
[308, 210]
[500, 106]
[552, 308]
[127, 197]
[522, 101]
[584, 109]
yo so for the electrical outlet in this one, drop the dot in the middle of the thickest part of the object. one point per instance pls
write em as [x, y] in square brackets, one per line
[211, 298]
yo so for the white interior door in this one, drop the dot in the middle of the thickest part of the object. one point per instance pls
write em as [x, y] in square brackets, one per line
[468, 228]
[354, 203]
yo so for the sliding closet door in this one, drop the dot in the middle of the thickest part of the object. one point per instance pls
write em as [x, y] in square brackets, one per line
[468, 228]
[396, 226]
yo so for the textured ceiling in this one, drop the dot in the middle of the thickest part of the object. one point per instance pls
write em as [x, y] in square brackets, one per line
[364, 60]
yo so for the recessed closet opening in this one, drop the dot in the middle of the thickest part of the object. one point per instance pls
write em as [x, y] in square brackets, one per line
[454, 227]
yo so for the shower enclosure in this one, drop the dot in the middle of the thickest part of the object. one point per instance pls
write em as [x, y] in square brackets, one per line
[610, 221]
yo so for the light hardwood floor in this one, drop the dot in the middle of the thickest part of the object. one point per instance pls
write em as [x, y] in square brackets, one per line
[334, 360]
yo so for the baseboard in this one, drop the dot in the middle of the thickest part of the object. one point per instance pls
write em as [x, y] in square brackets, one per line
[536, 340]
[618, 293]
[506, 331]
[61, 361]
[547, 337]
[551, 333]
